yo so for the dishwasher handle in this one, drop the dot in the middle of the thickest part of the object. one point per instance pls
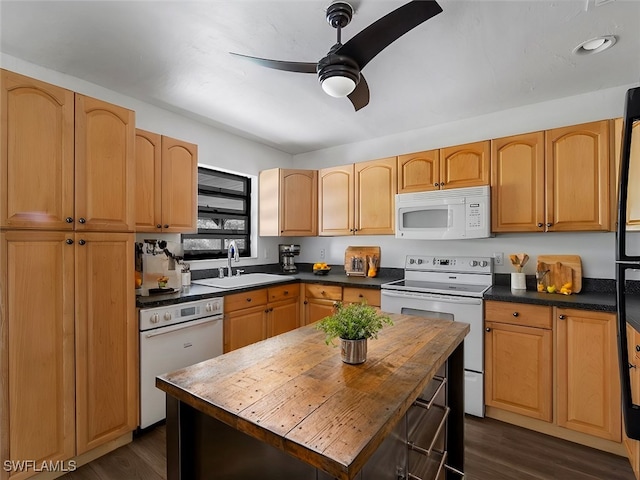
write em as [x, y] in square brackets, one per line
[182, 326]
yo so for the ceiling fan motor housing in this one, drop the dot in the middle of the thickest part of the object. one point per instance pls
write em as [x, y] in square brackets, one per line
[339, 14]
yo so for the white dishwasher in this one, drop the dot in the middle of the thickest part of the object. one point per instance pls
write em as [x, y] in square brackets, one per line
[173, 337]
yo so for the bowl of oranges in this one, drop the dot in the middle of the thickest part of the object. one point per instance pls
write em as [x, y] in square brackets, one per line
[321, 268]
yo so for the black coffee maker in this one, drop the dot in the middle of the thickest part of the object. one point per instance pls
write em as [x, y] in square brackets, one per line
[287, 252]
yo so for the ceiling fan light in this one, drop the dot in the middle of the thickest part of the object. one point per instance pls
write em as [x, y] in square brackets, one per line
[338, 86]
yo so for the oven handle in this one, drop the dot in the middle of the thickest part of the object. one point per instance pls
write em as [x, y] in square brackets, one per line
[427, 296]
[182, 326]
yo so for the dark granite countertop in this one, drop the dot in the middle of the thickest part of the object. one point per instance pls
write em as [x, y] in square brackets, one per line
[599, 301]
[305, 274]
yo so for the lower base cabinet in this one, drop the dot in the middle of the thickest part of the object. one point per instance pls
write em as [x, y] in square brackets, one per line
[532, 351]
[633, 346]
[255, 315]
[68, 372]
[320, 301]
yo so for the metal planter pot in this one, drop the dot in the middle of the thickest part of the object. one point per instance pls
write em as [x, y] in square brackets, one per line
[353, 351]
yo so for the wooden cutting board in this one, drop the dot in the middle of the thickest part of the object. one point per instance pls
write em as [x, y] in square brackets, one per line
[562, 269]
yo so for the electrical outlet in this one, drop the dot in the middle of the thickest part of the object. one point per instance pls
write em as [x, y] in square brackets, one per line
[498, 258]
[322, 253]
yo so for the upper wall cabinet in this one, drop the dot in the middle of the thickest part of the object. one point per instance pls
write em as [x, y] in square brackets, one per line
[166, 184]
[451, 167]
[633, 200]
[42, 137]
[556, 180]
[37, 154]
[288, 202]
[577, 177]
[517, 181]
[358, 199]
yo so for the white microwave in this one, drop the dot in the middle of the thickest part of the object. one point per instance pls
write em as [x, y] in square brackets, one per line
[459, 213]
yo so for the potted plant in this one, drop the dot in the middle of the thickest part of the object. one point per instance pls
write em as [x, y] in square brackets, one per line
[353, 324]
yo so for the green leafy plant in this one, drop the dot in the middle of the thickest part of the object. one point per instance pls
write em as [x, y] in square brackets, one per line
[353, 322]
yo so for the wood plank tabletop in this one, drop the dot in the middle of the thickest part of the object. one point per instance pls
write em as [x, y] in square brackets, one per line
[295, 393]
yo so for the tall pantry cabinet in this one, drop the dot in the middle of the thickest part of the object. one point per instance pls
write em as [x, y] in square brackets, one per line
[67, 312]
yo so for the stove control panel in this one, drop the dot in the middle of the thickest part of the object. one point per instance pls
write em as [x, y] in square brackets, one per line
[449, 264]
[180, 312]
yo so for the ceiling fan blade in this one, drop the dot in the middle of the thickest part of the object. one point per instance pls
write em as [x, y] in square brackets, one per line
[299, 67]
[383, 32]
[360, 96]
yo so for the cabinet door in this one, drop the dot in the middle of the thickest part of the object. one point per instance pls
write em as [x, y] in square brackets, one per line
[298, 202]
[316, 309]
[336, 200]
[37, 399]
[633, 201]
[358, 295]
[375, 186]
[577, 177]
[587, 373]
[179, 186]
[106, 338]
[465, 165]
[517, 183]
[244, 327]
[36, 159]
[633, 446]
[283, 316]
[105, 166]
[148, 182]
[419, 172]
[518, 362]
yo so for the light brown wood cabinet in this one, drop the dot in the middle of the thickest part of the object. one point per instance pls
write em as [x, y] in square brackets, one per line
[71, 364]
[633, 201]
[357, 295]
[358, 199]
[465, 165]
[419, 171]
[587, 370]
[166, 184]
[320, 301]
[519, 358]
[106, 338]
[104, 166]
[259, 314]
[633, 345]
[522, 370]
[562, 184]
[288, 202]
[67, 161]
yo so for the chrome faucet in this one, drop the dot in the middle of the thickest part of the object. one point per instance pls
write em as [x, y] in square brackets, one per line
[232, 250]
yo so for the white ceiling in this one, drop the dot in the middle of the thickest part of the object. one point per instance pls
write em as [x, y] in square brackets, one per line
[476, 57]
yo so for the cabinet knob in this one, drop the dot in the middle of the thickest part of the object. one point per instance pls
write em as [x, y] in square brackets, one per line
[69, 241]
[436, 184]
[82, 242]
[305, 302]
[165, 226]
[266, 310]
[248, 299]
[69, 219]
[549, 224]
[515, 314]
[561, 317]
[286, 292]
[360, 295]
[82, 220]
[631, 365]
[488, 329]
[540, 225]
[158, 225]
[637, 348]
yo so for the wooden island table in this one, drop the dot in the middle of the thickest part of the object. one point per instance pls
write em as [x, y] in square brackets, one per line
[289, 408]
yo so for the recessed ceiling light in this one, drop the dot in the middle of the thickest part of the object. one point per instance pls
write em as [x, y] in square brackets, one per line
[595, 45]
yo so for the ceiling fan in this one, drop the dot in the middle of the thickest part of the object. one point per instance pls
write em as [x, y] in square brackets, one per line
[339, 72]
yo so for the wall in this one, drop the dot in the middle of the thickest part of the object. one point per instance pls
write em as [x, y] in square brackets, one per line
[596, 249]
[216, 147]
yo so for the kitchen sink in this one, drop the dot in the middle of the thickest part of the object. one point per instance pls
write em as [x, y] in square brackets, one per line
[242, 281]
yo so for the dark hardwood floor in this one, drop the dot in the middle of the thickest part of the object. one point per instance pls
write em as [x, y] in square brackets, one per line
[494, 451]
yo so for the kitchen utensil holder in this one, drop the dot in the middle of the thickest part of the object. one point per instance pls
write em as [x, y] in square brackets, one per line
[518, 281]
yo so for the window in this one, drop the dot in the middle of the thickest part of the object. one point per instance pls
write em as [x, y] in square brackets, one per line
[224, 206]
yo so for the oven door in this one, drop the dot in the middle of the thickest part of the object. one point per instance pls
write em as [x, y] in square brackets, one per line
[446, 307]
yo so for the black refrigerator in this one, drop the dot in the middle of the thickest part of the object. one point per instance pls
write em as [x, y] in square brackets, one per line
[628, 256]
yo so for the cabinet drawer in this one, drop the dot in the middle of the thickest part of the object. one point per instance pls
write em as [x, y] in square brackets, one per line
[330, 292]
[283, 292]
[239, 301]
[518, 314]
[357, 295]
